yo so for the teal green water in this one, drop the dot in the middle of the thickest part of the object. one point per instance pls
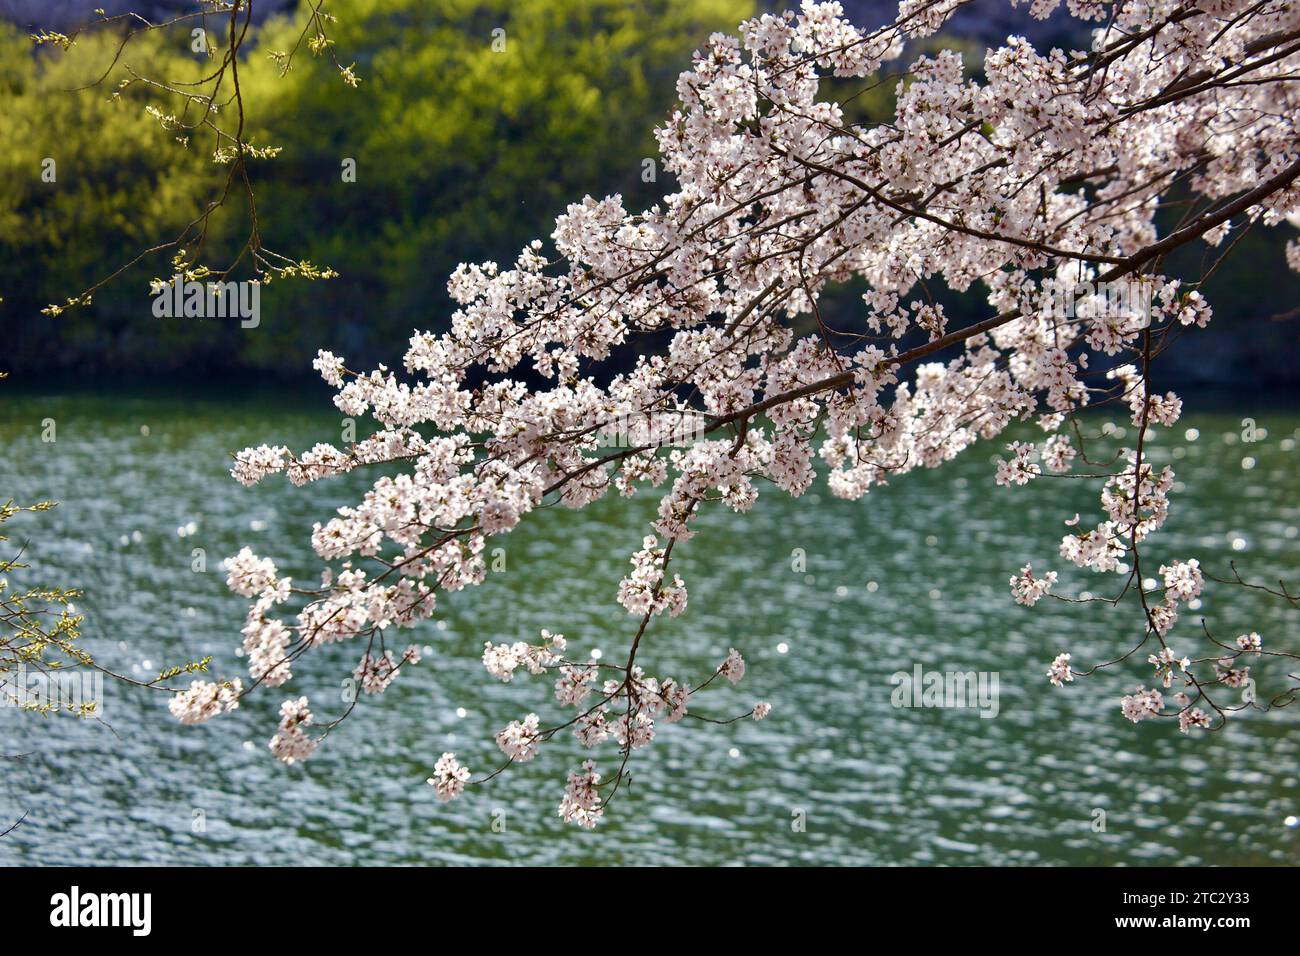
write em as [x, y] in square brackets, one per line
[874, 784]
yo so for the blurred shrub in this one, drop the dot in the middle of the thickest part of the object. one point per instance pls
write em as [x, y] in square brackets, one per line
[462, 153]
[120, 184]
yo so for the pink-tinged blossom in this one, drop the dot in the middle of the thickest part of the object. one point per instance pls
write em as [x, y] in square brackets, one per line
[1183, 579]
[254, 464]
[1027, 589]
[1231, 676]
[1166, 411]
[644, 591]
[449, 777]
[574, 684]
[376, 673]
[1251, 643]
[733, 668]
[266, 644]
[519, 740]
[1059, 673]
[1099, 549]
[502, 660]
[1058, 453]
[1029, 179]
[1018, 469]
[675, 696]
[330, 367]
[1195, 310]
[581, 803]
[592, 728]
[1142, 704]
[248, 574]
[1164, 616]
[633, 731]
[292, 742]
[205, 700]
[1165, 662]
[761, 710]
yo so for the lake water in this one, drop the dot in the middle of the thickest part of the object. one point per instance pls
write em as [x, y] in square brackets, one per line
[915, 573]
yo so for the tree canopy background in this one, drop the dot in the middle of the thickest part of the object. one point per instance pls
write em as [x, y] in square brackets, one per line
[462, 153]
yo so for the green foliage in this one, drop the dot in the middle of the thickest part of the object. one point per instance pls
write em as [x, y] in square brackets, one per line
[121, 184]
[40, 632]
[38, 626]
[462, 151]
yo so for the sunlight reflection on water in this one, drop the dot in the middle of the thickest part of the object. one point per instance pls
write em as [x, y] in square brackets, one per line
[142, 483]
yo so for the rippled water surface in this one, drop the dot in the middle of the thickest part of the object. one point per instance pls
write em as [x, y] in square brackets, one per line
[916, 573]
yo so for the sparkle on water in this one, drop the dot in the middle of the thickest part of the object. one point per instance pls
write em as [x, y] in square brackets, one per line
[874, 784]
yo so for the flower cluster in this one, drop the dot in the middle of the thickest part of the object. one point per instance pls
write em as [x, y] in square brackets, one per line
[1031, 178]
[449, 777]
[1059, 673]
[581, 803]
[376, 673]
[625, 710]
[1029, 590]
[1165, 662]
[644, 591]
[292, 743]
[1142, 704]
[205, 700]
[502, 660]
